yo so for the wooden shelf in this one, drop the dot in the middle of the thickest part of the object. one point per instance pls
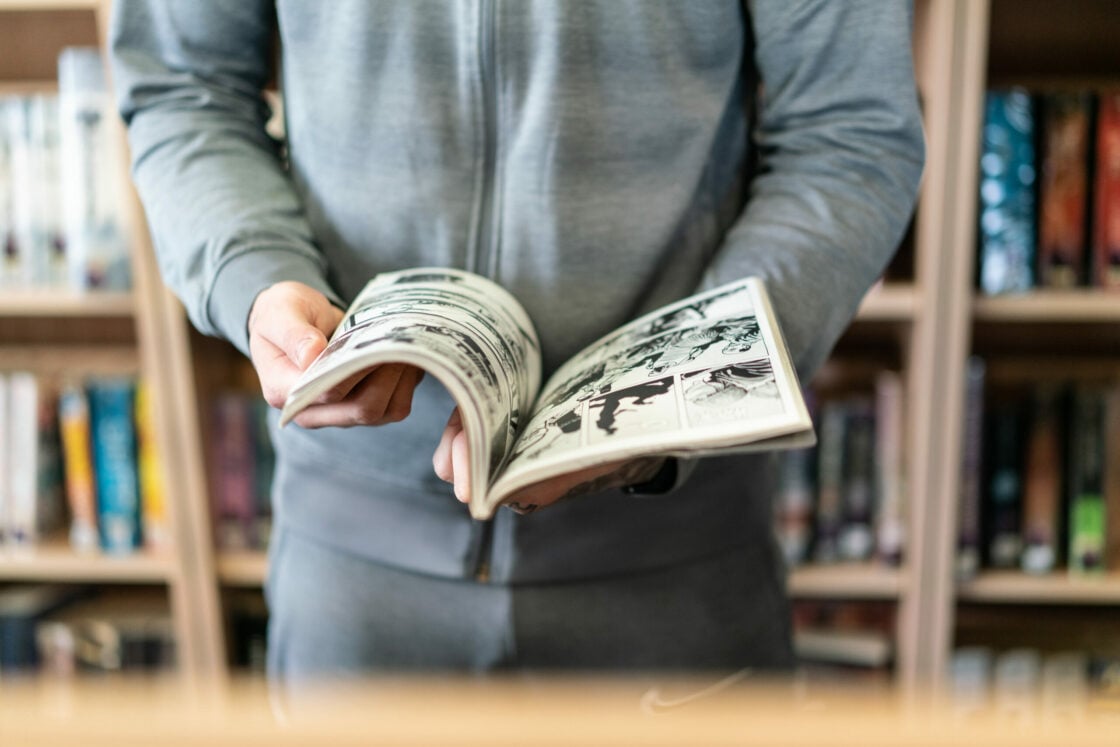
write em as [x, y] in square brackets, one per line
[846, 581]
[1074, 306]
[42, 303]
[893, 302]
[244, 568]
[1013, 587]
[54, 560]
[49, 5]
[75, 359]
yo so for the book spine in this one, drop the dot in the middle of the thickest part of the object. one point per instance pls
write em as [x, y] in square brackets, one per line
[890, 466]
[857, 537]
[233, 471]
[35, 499]
[1042, 488]
[21, 169]
[830, 483]
[114, 452]
[969, 509]
[97, 245]
[153, 489]
[7, 229]
[1106, 220]
[81, 490]
[1004, 540]
[1086, 502]
[5, 459]
[1064, 190]
[264, 459]
[1007, 193]
[1112, 480]
[794, 516]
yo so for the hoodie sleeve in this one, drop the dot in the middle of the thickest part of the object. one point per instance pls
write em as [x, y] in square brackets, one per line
[225, 220]
[840, 154]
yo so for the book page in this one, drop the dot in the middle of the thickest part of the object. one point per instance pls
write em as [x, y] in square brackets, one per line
[706, 374]
[465, 330]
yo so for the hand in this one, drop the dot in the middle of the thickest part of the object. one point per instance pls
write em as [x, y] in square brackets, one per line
[288, 327]
[452, 465]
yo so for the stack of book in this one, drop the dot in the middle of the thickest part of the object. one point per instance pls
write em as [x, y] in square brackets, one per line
[82, 455]
[1050, 190]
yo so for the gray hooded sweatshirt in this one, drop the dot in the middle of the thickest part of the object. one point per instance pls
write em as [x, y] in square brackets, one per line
[597, 158]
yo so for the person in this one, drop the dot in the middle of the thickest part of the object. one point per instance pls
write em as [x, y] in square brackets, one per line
[598, 159]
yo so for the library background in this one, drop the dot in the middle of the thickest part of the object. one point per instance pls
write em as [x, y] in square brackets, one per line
[957, 526]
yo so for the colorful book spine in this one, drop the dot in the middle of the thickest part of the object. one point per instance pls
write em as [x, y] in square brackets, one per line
[794, 514]
[1042, 485]
[1086, 468]
[1008, 210]
[1063, 232]
[112, 404]
[969, 508]
[81, 489]
[153, 489]
[1106, 219]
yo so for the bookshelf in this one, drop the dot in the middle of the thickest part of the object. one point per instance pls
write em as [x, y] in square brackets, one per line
[928, 321]
[1013, 42]
[106, 333]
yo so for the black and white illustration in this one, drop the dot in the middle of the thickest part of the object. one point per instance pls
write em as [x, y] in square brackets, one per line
[646, 408]
[736, 392]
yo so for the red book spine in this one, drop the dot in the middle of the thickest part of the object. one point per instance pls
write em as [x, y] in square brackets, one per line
[1106, 232]
[1064, 190]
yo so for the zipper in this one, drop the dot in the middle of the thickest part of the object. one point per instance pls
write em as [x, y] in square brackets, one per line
[485, 236]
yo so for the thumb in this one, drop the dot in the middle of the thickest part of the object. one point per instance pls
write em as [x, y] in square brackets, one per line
[294, 319]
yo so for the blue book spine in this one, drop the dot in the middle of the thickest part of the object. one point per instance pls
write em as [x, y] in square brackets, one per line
[114, 454]
[1008, 200]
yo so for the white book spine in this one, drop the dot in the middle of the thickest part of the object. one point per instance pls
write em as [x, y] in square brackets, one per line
[6, 227]
[97, 247]
[23, 434]
[5, 459]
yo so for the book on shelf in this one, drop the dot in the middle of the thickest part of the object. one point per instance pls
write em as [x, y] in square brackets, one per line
[1063, 201]
[97, 244]
[1106, 222]
[154, 511]
[709, 374]
[829, 508]
[112, 418]
[969, 509]
[35, 481]
[107, 632]
[890, 467]
[233, 472]
[1112, 480]
[856, 541]
[1042, 483]
[1086, 476]
[1003, 496]
[1008, 211]
[22, 607]
[81, 487]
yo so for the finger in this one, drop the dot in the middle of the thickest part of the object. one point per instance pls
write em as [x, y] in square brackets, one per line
[366, 403]
[441, 459]
[295, 319]
[460, 463]
[400, 404]
[275, 371]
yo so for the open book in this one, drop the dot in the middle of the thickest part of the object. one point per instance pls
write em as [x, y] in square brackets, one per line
[706, 375]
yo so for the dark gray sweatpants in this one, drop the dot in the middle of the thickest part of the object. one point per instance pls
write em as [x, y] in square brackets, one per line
[334, 614]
